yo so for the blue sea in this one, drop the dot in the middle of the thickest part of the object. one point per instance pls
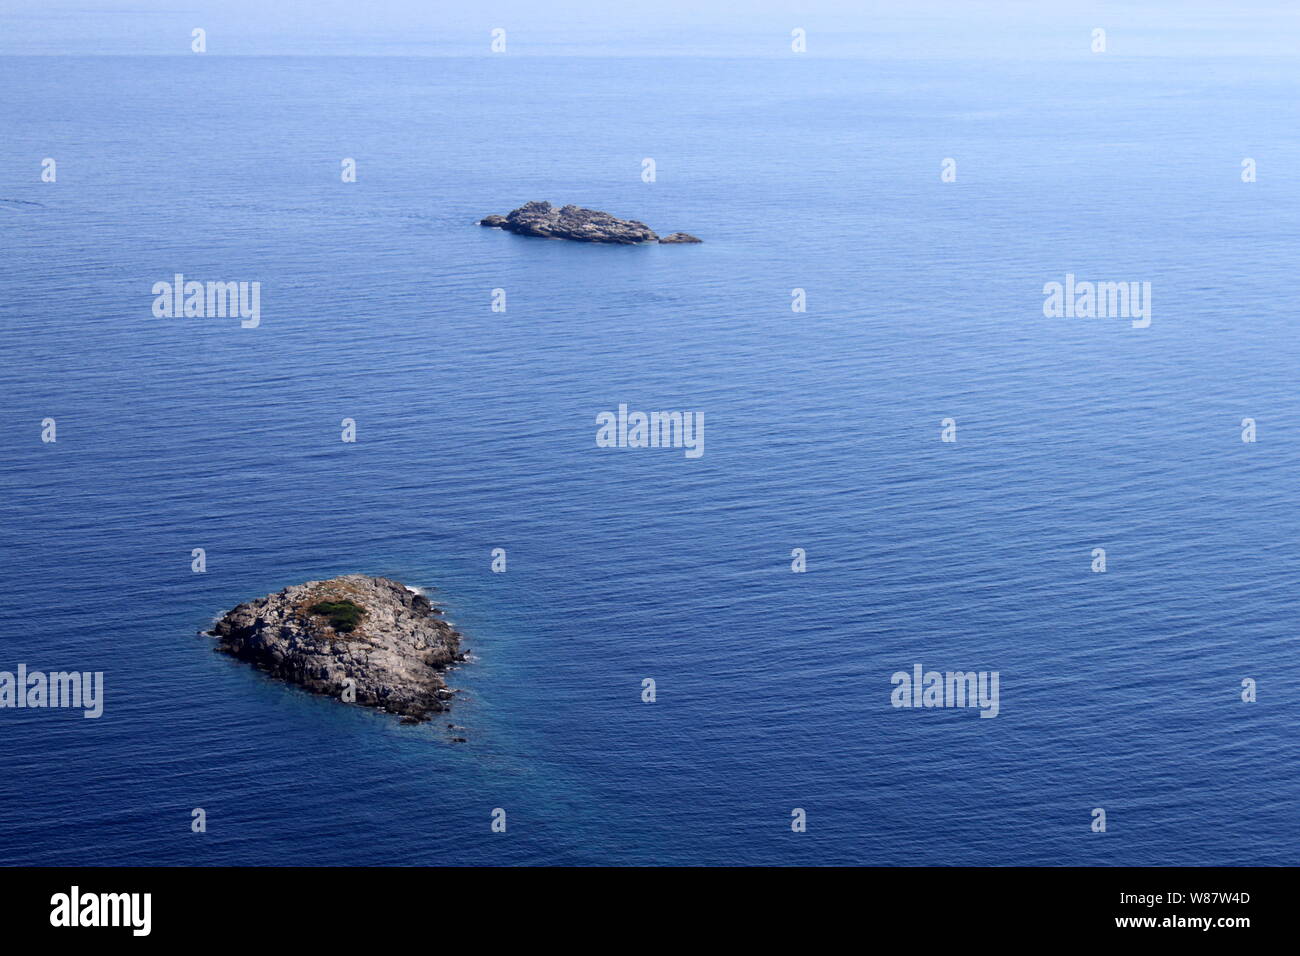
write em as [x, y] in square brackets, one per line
[476, 430]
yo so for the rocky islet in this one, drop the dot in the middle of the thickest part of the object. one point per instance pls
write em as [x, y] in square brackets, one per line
[371, 639]
[541, 219]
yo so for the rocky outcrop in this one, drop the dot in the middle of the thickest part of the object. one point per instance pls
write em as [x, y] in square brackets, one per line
[679, 237]
[573, 222]
[390, 641]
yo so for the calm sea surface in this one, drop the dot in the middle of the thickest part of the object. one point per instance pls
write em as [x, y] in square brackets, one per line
[476, 431]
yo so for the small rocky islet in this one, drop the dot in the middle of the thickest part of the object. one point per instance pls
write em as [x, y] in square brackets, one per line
[541, 219]
[388, 639]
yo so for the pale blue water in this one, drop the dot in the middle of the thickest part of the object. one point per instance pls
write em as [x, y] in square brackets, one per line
[476, 430]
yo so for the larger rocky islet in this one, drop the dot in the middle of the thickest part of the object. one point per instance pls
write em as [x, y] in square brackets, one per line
[541, 219]
[387, 639]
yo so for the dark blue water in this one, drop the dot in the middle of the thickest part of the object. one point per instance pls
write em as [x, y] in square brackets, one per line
[476, 431]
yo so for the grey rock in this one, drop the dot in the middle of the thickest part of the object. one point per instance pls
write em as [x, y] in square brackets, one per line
[678, 237]
[571, 222]
[396, 652]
